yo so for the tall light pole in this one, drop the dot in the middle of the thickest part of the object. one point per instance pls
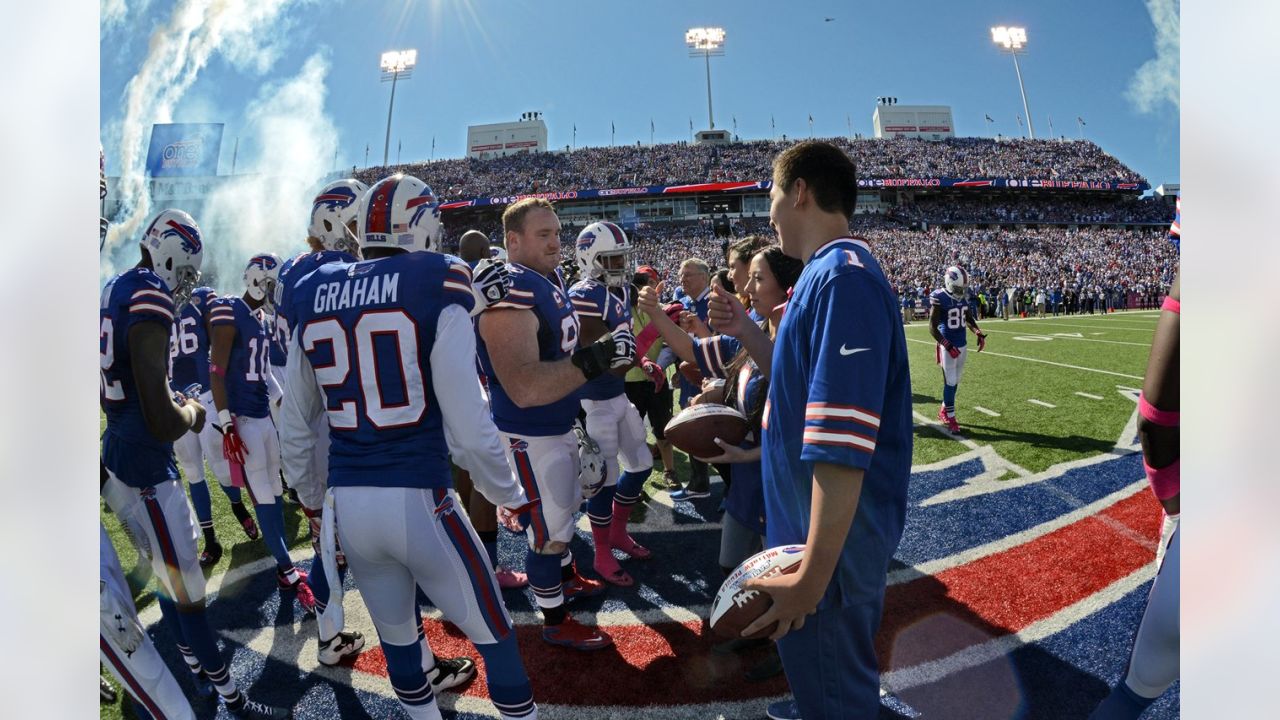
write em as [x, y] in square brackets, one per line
[1013, 40]
[395, 63]
[706, 42]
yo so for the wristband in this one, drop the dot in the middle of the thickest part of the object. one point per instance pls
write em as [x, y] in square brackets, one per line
[1156, 416]
[224, 417]
[1165, 481]
[1172, 305]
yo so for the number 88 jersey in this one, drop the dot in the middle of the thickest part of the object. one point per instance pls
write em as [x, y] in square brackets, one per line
[247, 368]
[953, 311]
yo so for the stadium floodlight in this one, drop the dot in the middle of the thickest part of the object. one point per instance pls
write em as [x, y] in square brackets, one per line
[706, 41]
[1013, 40]
[395, 64]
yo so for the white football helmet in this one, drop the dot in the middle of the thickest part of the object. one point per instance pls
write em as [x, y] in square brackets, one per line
[261, 276]
[332, 210]
[591, 468]
[402, 212]
[497, 253]
[956, 280]
[173, 241]
[597, 246]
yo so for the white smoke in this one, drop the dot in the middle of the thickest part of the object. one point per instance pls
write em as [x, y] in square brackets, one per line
[1157, 81]
[247, 32]
[268, 209]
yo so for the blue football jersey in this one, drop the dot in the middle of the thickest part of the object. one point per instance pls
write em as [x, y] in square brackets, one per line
[298, 267]
[840, 393]
[558, 330]
[953, 312]
[592, 299]
[129, 449]
[368, 329]
[189, 343]
[246, 371]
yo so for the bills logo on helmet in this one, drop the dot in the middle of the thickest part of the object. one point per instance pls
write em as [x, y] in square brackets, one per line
[421, 204]
[586, 240]
[190, 237]
[266, 262]
[335, 199]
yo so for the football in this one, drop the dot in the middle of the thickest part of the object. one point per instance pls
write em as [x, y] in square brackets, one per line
[695, 429]
[735, 608]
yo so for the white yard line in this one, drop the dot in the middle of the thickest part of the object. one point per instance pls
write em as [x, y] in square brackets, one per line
[1060, 336]
[1041, 403]
[1038, 360]
[1087, 395]
[985, 411]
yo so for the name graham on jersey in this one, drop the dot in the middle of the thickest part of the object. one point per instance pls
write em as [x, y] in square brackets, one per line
[377, 289]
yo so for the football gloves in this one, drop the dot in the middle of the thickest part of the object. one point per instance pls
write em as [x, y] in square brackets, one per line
[952, 350]
[490, 281]
[654, 372]
[233, 448]
[610, 352]
[982, 341]
[118, 622]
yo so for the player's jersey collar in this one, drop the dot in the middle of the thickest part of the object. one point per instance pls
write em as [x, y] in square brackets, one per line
[849, 239]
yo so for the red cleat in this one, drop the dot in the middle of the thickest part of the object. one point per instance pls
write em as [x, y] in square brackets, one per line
[574, 634]
[579, 586]
[250, 528]
[948, 420]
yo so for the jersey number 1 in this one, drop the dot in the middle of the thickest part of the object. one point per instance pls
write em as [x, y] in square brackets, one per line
[393, 325]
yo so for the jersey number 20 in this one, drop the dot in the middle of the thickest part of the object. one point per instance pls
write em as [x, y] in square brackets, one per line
[394, 325]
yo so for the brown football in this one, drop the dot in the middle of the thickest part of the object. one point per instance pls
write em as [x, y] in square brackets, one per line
[695, 429]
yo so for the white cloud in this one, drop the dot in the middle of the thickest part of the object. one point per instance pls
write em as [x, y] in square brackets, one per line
[1157, 81]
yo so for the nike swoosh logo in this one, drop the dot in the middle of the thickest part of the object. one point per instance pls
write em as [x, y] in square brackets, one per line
[850, 351]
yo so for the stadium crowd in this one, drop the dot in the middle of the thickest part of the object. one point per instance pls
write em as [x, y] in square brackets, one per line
[1089, 209]
[681, 163]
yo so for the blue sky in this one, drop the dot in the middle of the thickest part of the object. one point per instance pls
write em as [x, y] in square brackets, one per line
[596, 63]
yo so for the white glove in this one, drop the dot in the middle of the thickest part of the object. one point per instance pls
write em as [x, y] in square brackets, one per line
[118, 620]
[490, 281]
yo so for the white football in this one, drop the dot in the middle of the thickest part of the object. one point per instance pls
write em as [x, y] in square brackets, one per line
[735, 608]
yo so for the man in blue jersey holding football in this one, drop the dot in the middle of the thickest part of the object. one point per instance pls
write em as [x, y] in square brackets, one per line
[529, 352]
[949, 314]
[386, 348]
[836, 440]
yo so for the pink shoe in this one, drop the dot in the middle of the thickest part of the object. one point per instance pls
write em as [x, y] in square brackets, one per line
[628, 545]
[510, 579]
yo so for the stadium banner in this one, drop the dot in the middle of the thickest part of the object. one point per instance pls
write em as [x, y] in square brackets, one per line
[189, 149]
[764, 185]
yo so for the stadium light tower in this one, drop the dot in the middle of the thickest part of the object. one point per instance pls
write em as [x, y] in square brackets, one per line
[1013, 40]
[395, 64]
[706, 42]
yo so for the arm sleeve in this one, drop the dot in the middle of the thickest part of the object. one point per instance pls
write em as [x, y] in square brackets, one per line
[666, 357]
[468, 428]
[850, 368]
[302, 405]
[714, 354]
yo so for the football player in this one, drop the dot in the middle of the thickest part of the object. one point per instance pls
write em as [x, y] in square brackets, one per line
[949, 313]
[386, 346]
[189, 370]
[529, 351]
[126, 648]
[241, 381]
[600, 299]
[1153, 663]
[143, 420]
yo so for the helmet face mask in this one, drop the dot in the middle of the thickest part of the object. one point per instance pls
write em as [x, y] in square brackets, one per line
[603, 253]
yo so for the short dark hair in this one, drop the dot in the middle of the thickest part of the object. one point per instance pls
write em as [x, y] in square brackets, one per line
[828, 172]
[747, 247]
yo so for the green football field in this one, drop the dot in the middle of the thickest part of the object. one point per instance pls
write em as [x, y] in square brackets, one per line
[1044, 392]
